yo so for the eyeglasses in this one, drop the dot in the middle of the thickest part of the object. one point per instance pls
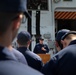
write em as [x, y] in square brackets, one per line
[24, 18]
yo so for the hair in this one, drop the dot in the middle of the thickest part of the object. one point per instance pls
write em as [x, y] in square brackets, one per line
[6, 20]
[69, 36]
[22, 41]
[60, 44]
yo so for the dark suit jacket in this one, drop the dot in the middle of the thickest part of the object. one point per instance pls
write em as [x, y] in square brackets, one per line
[33, 59]
[62, 63]
[9, 65]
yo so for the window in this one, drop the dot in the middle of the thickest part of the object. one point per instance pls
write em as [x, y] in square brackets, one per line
[37, 4]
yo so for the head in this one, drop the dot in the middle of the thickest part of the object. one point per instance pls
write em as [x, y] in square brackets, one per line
[24, 38]
[67, 38]
[59, 35]
[41, 40]
[11, 13]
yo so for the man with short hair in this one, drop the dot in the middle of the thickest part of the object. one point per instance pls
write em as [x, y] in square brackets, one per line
[59, 35]
[33, 60]
[11, 13]
[67, 38]
[64, 62]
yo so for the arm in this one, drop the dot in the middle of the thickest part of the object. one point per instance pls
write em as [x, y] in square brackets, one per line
[35, 49]
[45, 48]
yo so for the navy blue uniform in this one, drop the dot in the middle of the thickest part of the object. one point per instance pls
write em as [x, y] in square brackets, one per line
[72, 42]
[33, 59]
[38, 49]
[63, 63]
[20, 57]
[9, 65]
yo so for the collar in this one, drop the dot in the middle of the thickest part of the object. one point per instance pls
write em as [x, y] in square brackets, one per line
[22, 49]
[72, 42]
[6, 54]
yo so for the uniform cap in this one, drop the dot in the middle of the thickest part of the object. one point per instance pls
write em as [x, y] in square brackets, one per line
[14, 6]
[71, 32]
[24, 36]
[61, 33]
[41, 38]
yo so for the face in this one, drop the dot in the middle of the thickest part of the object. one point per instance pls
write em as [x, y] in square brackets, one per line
[41, 41]
[16, 25]
[66, 42]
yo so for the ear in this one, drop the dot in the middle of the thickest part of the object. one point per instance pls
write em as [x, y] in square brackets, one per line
[16, 24]
[62, 42]
[56, 43]
[29, 42]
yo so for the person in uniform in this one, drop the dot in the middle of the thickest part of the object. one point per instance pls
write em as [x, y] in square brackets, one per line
[67, 38]
[20, 57]
[59, 35]
[64, 62]
[11, 13]
[33, 60]
[40, 47]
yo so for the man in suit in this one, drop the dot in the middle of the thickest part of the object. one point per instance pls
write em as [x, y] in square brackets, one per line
[11, 13]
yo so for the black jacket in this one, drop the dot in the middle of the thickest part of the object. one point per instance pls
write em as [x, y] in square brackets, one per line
[38, 50]
[33, 59]
[9, 65]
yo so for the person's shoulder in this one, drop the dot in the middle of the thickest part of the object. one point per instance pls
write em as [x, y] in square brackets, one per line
[33, 55]
[15, 68]
[66, 52]
[45, 45]
[37, 44]
[19, 56]
[69, 49]
[17, 52]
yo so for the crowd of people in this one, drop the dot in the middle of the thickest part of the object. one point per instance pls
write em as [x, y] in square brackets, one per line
[22, 61]
[12, 62]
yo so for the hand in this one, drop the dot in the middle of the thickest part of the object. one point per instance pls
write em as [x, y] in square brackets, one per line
[43, 49]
